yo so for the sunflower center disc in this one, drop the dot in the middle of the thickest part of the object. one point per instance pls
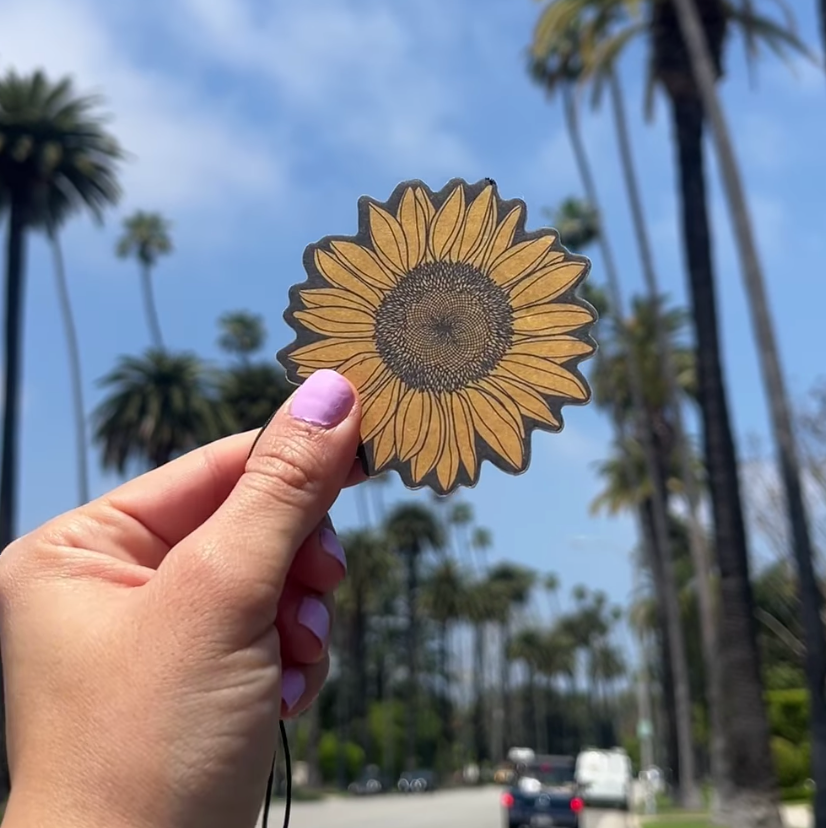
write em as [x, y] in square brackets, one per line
[444, 326]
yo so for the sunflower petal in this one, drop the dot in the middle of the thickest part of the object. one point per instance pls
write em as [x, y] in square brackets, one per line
[477, 226]
[496, 427]
[547, 283]
[433, 446]
[342, 277]
[550, 319]
[411, 423]
[413, 222]
[388, 239]
[465, 433]
[447, 224]
[379, 409]
[520, 260]
[305, 371]
[383, 447]
[362, 371]
[334, 298]
[330, 353]
[502, 237]
[544, 376]
[505, 402]
[343, 322]
[426, 204]
[448, 465]
[364, 264]
[530, 403]
[557, 348]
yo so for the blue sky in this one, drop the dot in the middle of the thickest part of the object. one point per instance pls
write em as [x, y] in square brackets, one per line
[255, 126]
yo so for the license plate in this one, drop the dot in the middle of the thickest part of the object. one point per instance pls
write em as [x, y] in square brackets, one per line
[541, 821]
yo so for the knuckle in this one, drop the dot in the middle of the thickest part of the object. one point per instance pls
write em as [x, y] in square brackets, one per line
[288, 470]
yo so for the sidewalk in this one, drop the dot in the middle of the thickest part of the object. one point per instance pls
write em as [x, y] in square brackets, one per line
[797, 816]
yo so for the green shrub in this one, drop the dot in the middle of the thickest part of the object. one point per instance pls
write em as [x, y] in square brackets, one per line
[789, 714]
[792, 762]
[328, 758]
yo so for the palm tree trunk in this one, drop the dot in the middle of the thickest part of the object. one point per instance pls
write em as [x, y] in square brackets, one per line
[411, 760]
[15, 270]
[505, 708]
[479, 740]
[13, 352]
[750, 777]
[696, 535]
[313, 742]
[689, 794]
[150, 307]
[73, 352]
[810, 595]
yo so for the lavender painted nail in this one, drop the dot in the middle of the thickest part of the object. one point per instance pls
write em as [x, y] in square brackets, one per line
[293, 685]
[313, 615]
[324, 399]
[332, 546]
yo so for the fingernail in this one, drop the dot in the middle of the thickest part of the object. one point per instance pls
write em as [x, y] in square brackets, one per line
[313, 615]
[332, 546]
[293, 685]
[324, 399]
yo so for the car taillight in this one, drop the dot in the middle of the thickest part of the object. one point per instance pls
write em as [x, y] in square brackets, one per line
[507, 800]
[577, 804]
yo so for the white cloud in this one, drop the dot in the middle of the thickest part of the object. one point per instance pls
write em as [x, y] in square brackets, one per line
[188, 151]
[354, 73]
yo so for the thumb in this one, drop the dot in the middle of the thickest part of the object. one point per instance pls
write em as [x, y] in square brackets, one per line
[236, 562]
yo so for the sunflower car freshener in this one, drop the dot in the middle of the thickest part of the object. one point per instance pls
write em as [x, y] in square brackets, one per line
[461, 331]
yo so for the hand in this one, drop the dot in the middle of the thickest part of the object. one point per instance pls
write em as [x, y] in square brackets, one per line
[152, 638]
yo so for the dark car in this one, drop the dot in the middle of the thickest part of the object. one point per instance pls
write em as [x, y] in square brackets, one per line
[419, 781]
[369, 783]
[543, 793]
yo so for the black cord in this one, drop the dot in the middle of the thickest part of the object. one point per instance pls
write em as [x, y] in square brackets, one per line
[288, 769]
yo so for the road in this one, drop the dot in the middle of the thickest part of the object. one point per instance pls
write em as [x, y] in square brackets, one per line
[449, 809]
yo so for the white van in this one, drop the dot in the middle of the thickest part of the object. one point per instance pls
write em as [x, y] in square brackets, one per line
[605, 777]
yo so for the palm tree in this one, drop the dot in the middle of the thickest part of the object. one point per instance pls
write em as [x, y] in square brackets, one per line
[443, 602]
[749, 774]
[411, 530]
[703, 65]
[477, 601]
[146, 237]
[512, 586]
[76, 377]
[557, 65]
[54, 152]
[242, 333]
[551, 585]
[369, 565]
[250, 391]
[577, 223]
[159, 406]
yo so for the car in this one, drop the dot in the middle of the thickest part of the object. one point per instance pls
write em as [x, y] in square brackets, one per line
[543, 793]
[605, 777]
[369, 783]
[418, 781]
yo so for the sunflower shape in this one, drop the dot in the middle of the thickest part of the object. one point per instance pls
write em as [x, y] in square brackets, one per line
[461, 331]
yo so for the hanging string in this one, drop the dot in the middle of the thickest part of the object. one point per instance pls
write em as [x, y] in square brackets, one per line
[288, 771]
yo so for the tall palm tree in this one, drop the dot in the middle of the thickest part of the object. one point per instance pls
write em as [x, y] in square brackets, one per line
[443, 603]
[250, 390]
[512, 585]
[670, 371]
[146, 237]
[477, 601]
[242, 333]
[557, 65]
[369, 564]
[749, 775]
[411, 530]
[703, 64]
[75, 373]
[159, 406]
[54, 149]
